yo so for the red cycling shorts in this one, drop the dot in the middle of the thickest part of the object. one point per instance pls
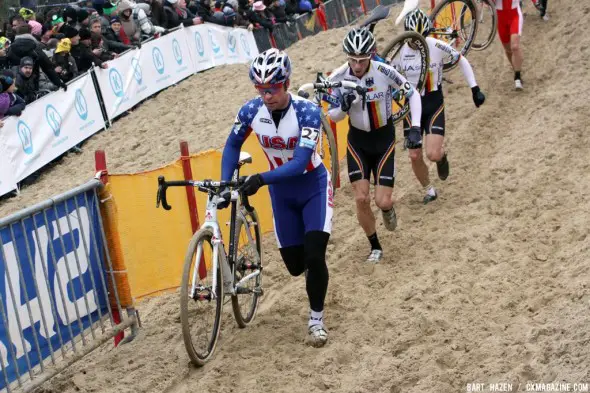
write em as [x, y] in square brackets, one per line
[509, 23]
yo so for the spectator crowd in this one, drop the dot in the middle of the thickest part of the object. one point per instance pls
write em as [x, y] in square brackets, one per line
[42, 53]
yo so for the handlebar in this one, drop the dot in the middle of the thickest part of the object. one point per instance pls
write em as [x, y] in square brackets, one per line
[325, 85]
[208, 186]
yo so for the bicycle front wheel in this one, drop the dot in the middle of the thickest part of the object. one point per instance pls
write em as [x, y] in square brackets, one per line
[248, 262]
[327, 146]
[455, 22]
[487, 24]
[201, 298]
[401, 107]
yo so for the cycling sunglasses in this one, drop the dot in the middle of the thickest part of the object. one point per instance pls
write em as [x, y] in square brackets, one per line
[271, 88]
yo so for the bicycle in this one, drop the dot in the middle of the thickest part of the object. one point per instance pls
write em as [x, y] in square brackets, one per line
[237, 273]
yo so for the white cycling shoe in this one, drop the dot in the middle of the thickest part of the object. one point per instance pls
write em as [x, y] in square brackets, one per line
[375, 256]
[317, 336]
[518, 84]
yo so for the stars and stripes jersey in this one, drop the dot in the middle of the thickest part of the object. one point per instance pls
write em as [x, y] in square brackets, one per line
[290, 148]
[507, 4]
[380, 80]
[409, 63]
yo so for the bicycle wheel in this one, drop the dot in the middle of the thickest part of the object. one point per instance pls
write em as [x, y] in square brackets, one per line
[248, 259]
[203, 300]
[401, 107]
[487, 24]
[327, 143]
[446, 20]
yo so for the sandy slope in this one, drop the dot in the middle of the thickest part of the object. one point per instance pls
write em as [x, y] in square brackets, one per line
[488, 284]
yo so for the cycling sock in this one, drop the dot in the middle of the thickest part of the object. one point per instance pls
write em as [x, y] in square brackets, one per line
[516, 75]
[430, 190]
[316, 318]
[375, 245]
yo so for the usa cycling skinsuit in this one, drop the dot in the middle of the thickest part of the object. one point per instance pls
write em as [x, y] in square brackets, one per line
[510, 19]
[371, 137]
[433, 108]
[299, 185]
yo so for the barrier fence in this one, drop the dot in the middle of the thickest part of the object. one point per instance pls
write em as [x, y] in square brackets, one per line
[60, 297]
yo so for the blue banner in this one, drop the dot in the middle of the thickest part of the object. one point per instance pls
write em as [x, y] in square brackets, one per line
[56, 303]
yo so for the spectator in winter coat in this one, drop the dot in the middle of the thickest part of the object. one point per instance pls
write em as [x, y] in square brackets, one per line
[156, 14]
[177, 13]
[111, 44]
[10, 103]
[26, 45]
[26, 82]
[260, 17]
[99, 49]
[83, 55]
[65, 65]
[130, 28]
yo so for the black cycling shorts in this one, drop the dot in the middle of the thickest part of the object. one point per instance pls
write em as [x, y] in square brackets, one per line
[433, 114]
[372, 152]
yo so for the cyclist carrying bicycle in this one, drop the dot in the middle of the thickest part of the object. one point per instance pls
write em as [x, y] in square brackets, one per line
[408, 62]
[371, 137]
[300, 188]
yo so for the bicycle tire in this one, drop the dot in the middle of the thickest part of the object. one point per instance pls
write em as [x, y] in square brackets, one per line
[333, 147]
[469, 40]
[477, 46]
[239, 317]
[420, 42]
[199, 360]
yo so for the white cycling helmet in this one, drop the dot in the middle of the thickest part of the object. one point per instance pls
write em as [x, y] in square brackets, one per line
[271, 66]
[418, 21]
[359, 41]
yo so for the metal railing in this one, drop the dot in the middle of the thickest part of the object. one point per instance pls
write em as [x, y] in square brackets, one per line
[54, 257]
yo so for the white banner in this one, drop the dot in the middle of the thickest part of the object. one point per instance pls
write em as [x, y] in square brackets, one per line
[7, 180]
[199, 47]
[51, 126]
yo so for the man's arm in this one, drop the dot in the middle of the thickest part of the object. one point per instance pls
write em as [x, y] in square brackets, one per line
[466, 68]
[399, 82]
[235, 140]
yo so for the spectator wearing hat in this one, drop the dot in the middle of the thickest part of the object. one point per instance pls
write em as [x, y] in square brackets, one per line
[81, 52]
[65, 65]
[177, 14]
[10, 103]
[26, 45]
[82, 16]
[260, 16]
[26, 82]
[129, 28]
[110, 44]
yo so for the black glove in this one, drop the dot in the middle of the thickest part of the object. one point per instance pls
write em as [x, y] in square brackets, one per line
[252, 184]
[478, 97]
[347, 100]
[224, 198]
[64, 86]
[414, 138]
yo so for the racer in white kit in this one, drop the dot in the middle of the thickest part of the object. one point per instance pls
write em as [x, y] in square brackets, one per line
[371, 138]
[288, 128]
[433, 108]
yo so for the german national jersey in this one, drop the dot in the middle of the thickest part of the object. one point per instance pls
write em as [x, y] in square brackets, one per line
[290, 148]
[380, 80]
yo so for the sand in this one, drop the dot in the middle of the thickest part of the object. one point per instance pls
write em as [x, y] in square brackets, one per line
[488, 284]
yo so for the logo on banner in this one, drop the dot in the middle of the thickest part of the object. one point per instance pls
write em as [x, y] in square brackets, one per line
[214, 44]
[116, 82]
[231, 43]
[245, 44]
[158, 60]
[53, 119]
[26, 139]
[137, 71]
[81, 106]
[199, 44]
[177, 52]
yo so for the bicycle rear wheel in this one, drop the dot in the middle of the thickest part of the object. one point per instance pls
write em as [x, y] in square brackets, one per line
[248, 260]
[455, 22]
[201, 299]
[391, 52]
[327, 144]
[487, 26]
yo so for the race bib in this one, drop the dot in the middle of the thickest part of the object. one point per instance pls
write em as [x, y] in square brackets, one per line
[309, 137]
